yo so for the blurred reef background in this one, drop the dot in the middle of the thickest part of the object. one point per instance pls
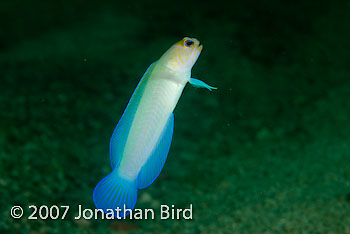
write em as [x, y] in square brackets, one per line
[268, 152]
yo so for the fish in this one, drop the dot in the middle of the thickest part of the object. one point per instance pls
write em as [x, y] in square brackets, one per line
[141, 140]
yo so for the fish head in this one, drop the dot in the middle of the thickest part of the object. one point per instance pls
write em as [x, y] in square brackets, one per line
[183, 54]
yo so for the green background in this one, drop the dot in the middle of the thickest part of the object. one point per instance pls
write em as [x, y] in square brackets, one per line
[267, 152]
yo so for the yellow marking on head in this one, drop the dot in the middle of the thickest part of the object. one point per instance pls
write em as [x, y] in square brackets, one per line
[183, 54]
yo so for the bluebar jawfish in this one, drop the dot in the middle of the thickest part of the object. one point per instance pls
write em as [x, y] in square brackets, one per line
[140, 143]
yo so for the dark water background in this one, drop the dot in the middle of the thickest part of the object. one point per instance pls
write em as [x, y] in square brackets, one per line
[268, 152]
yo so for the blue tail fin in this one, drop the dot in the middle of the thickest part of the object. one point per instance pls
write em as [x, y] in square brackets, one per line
[114, 191]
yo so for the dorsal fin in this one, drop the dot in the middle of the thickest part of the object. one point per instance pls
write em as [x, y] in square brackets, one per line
[121, 132]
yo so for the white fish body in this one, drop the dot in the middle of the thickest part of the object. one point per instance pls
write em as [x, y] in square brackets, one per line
[159, 99]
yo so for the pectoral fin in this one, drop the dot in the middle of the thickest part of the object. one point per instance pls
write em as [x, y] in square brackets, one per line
[200, 84]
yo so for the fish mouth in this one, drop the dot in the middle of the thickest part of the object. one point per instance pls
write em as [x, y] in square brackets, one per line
[197, 43]
[200, 47]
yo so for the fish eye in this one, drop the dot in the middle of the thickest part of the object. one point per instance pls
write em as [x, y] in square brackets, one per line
[188, 43]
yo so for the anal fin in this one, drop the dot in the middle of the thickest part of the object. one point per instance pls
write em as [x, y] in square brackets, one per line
[150, 171]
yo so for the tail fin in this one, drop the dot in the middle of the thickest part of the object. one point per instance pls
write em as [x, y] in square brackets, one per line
[114, 191]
